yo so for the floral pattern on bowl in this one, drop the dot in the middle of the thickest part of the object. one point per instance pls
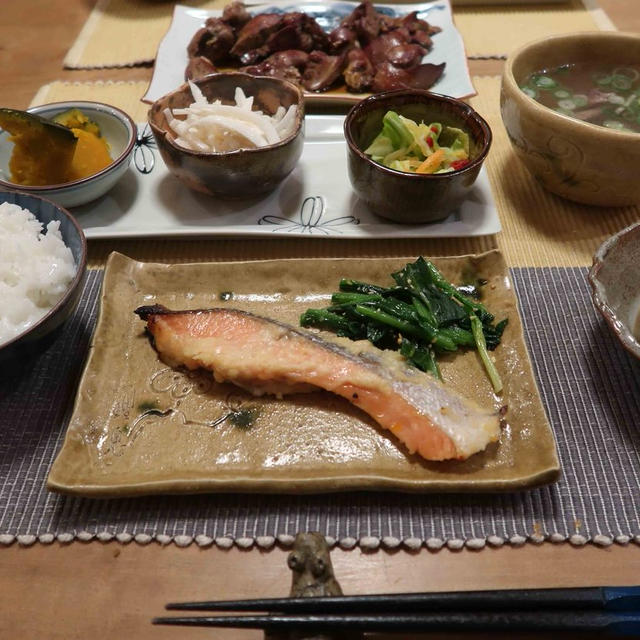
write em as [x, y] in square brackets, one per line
[554, 160]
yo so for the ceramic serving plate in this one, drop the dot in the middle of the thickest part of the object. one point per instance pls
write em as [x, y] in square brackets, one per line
[448, 46]
[315, 200]
[140, 427]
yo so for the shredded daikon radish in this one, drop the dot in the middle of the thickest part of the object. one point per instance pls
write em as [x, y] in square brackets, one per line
[245, 102]
[216, 127]
[198, 96]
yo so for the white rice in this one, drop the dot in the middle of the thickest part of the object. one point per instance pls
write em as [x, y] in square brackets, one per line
[35, 269]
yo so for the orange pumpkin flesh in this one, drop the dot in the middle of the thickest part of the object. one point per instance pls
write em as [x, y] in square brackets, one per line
[48, 153]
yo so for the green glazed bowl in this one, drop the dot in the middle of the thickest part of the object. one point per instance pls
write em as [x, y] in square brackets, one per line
[411, 197]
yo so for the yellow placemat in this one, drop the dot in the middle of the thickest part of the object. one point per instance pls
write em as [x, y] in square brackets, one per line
[125, 95]
[125, 33]
[496, 31]
[121, 33]
[539, 229]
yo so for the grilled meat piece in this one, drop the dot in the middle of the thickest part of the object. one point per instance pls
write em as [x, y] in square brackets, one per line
[253, 36]
[322, 70]
[213, 41]
[342, 38]
[377, 50]
[287, 65]
[236, 15]
[359, 72]
[389, 77]
[406, 55]
[365, 21]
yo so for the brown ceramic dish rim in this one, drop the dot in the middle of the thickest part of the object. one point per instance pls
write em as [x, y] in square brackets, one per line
[220, 154]
[567, 121]
[80, 269]
[438, 98]
[599, 296]
[64, 186]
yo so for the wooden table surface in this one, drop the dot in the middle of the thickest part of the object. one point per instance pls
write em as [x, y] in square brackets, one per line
[95, 590]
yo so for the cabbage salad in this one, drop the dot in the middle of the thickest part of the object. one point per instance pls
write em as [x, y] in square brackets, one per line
[404, 145]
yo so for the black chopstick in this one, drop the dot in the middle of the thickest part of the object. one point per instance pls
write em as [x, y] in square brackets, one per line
[615, 623]
[615, 598]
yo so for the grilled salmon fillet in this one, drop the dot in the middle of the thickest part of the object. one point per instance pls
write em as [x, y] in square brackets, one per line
[266, 356]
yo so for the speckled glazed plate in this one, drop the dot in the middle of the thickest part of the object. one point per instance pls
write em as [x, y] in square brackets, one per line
[140, 427]
[448, 46]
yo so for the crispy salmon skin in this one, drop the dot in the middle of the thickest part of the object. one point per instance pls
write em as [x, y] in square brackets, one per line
[267, 356]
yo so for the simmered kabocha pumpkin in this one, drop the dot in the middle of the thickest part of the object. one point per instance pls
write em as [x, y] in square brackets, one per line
[75, 119]
[92, 155]
[42, 152]
[67, 148]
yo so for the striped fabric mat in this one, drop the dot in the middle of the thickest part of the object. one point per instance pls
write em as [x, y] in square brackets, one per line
[111, 37]
[539, 229]
[589, 384]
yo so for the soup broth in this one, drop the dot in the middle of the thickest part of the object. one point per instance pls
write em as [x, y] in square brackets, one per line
[609, 97]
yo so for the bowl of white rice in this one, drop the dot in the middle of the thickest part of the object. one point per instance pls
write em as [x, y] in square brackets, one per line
[43, 257]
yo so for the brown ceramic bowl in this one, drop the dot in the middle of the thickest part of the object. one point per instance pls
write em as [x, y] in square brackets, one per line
[577, 160]
[234, 174]
[411, 197]
[615, 283]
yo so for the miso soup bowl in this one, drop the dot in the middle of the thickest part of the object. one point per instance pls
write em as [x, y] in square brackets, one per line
[412, 198]
[577, 160]
[241, 173]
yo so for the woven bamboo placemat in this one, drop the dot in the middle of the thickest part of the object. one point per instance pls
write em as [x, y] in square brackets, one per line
[125, 33]
[122, 94]
[122, 33]
[539, 229]
[496, 31]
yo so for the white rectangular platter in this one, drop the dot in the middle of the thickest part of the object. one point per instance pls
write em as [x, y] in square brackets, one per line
[448, 46]
[315, 200]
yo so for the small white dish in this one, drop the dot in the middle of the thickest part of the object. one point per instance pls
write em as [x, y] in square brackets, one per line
[316, 200]
[118, 129]
[448, 46]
